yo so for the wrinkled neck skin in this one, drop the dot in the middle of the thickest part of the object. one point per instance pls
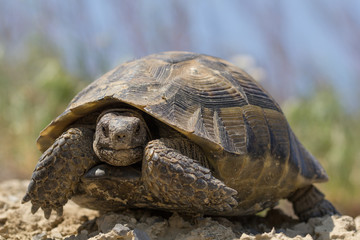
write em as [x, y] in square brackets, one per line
[120, 137]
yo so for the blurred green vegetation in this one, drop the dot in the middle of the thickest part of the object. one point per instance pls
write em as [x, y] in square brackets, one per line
[37, 88]
[331, 132]
[33, 91]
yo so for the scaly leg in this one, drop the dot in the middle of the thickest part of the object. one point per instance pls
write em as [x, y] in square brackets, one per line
[176, 172]
[309, 202]
[59, 169]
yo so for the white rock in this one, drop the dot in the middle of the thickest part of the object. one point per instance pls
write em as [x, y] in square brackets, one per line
[120, 229]
[357, 223]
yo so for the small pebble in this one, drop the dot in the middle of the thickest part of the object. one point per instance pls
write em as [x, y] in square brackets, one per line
[357, 223]
[140, 235]
[99, 172]
[120, 229]
[13, 198]
[56, 235]
[40, 236]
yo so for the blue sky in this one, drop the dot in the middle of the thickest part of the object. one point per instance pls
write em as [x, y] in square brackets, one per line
[298, 43]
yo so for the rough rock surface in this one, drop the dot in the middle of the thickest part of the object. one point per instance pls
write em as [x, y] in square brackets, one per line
[17, 222]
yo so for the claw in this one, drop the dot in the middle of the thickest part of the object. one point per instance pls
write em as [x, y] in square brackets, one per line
[26, 198]
[34, 208]
[47, 212]
[232, 202]
[59, 211]
[227, 207]
[230, 191]
[63, 201]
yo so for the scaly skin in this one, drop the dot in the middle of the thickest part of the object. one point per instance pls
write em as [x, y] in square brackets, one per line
[59, 169]
[309, 202]
[172, 174]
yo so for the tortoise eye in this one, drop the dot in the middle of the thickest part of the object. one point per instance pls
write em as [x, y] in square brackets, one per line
[104, 131]
[137, 130]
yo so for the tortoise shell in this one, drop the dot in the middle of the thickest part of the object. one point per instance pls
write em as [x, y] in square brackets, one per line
[239, 126]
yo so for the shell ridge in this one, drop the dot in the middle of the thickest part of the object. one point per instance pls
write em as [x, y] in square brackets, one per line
[234, 124]
[238, 87]
[258, 134]
[161, 73]
[255, 94]
[221, 133]
[280, 159]
[309, 167]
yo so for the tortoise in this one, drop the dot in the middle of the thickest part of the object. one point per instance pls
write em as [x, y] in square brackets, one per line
[180, 132]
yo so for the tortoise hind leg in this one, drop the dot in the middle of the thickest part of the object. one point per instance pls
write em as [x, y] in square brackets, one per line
[174, 170]
[309, 202]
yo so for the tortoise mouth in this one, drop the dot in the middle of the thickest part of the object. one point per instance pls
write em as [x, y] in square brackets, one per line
[121, 157]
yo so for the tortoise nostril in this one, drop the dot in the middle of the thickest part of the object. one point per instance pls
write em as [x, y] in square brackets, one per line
[120, 136]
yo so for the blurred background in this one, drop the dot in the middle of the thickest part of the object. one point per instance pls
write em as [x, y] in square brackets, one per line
[305, 53]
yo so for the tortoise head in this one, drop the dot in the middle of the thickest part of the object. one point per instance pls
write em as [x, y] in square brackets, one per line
[120, 137]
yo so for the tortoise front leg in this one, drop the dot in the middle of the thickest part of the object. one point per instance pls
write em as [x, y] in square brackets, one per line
[59, 169]
[176, 172]
[309, 202]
